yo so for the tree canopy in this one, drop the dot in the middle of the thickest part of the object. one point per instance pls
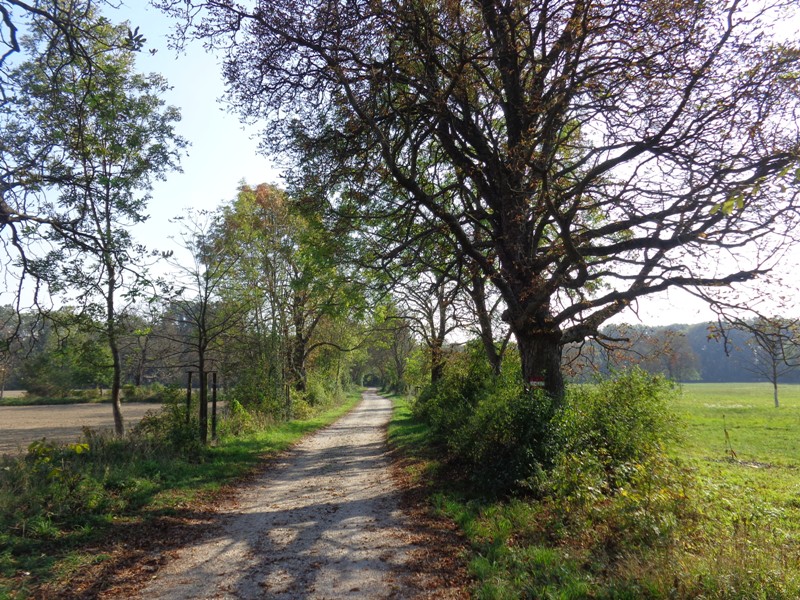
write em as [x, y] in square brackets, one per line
[87, 135]
[581, 153]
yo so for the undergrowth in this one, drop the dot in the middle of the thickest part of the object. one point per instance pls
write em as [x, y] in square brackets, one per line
[59, 499]
[613, 509]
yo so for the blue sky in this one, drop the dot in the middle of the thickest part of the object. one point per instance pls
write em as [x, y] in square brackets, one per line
[222, 151]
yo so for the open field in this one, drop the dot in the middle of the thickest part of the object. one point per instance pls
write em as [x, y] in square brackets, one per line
[757, 432]
[21, 425]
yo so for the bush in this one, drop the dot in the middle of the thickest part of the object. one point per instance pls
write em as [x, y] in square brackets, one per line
[164, 430]
[238, 421]
[616, 424]
[493, 428]
[505, 437]
[625, 417]
[47, 487]
[505, 440]
[449, 403]
[612, 476]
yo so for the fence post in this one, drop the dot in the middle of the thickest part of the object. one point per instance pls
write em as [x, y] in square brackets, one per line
[188, 396]
[213, 405]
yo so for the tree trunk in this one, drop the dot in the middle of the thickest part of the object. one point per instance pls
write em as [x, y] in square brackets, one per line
[437, 360]
[203, 403]
[142, 361]
[111, 332]
[298, 358]
[298, 350]
[116, 387]
[775, 383]
[478, 294]
[540, 353]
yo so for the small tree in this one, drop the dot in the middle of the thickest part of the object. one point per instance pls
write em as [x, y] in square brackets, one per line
[774, 348]
[102, 134]
[205, 296]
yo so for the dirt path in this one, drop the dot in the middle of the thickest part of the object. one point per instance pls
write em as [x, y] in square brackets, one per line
[322, 522]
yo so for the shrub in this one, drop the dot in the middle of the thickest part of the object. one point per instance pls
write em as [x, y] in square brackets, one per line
[611, 477]
[47, 486]
[162, 430]
[238, 420]
[505, 440]
[492, 427]
[448, 404]
[617, 423]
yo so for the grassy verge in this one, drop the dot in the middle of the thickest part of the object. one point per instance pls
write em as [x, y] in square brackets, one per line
[711, 525]
[61, 506]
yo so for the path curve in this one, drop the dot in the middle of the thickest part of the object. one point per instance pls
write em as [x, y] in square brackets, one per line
[322, 522]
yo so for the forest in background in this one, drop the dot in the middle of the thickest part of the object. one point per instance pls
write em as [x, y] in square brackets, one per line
[63, 359]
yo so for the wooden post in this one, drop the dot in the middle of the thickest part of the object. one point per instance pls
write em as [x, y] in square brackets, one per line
[188, 396]
[214, 405]
[203, 416]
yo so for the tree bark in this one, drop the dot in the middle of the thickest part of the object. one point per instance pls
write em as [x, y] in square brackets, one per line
[478, 294]
[142, 361]
[111, 332]
[203, 402]
[437, 360]
[775, 384]
[116, 387]
[540, 350]
[298, 358]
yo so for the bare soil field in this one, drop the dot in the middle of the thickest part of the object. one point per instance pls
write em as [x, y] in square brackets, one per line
[21, 425]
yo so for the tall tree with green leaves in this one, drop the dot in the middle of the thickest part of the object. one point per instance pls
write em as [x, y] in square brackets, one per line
[74, 32]
[103, 134]
[291, 262]
[583, 154]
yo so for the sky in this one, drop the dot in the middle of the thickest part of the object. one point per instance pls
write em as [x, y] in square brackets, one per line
[223, 152]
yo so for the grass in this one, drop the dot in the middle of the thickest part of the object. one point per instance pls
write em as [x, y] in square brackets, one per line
[25, 400]
[757, 431]
[154, 393]
[59, 504]
[727, 526]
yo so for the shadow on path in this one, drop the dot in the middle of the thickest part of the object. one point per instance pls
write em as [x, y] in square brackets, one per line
[323, 522]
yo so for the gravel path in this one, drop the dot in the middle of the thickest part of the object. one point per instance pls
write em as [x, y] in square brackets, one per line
[322, 522]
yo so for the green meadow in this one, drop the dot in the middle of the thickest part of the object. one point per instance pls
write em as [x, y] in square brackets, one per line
[757, 432]
[746, 454]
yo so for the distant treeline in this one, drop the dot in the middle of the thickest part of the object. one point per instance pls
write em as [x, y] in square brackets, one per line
[698, 352]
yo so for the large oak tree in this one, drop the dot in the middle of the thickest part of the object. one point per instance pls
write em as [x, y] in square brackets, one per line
[582, 153]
